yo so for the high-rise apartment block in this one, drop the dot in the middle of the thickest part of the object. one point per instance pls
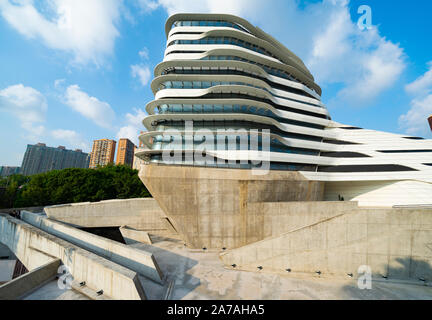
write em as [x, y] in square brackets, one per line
[39, 158]
[8, 171]
[102, 153]
[125, 152]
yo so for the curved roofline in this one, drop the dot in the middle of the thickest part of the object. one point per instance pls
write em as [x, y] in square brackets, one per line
[231, 18]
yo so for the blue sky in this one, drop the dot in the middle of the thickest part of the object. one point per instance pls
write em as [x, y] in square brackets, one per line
[72, 71]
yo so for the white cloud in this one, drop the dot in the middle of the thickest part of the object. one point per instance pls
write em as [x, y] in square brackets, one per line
[28, 105]
[324, 35]
[59, 83]
[423, 84]
[73, 139]
[133, 126]
[87, 29]
[144, 53]
[363, 62]
[237, 7]
[92, 108]
[141, 72]
[381, 68]
[415, 120]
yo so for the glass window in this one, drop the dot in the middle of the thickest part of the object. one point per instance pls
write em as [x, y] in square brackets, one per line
[187, 108]
[187, 84]
[218, 108]
[197, 84]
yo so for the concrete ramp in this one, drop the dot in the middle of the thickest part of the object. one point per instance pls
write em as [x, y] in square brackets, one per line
[395, 243]
[35, 248]
[142, 214]
[139, 261]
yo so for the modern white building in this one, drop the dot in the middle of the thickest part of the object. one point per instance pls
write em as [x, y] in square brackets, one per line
[222, 73]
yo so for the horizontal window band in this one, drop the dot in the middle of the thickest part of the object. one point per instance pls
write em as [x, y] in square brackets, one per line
[340, 142]
[405, 151]
[237, 164]
[344, 155]
[252, 98]
[414, 138]
[351, 128]
[365, 168]
[226, 109]
[208, 23]
[272, 84]
[231, 124]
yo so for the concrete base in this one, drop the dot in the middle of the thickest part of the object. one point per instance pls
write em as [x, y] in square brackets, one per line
[208, 207]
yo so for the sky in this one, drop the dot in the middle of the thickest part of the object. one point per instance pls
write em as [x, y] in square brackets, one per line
[72, 71]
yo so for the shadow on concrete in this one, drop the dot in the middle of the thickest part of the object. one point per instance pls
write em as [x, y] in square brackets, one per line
[175, 266]
[112, 233]
[411, 280]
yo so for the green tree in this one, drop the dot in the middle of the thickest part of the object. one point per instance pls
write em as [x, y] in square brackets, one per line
[80, 185]
[9, 189]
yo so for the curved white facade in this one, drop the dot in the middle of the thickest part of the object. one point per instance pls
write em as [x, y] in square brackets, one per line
[220, 72]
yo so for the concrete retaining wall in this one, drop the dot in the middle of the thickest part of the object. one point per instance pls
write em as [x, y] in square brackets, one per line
[142, 214]
[34, 248]
[136, 260]
[395, 243]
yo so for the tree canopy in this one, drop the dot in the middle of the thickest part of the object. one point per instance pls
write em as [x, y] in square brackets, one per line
[71, 186]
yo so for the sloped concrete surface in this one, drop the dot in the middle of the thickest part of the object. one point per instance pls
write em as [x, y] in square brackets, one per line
[35, 248]
[142, 214]
[51, 291]
[394, 243]
[198, 274]
[139, 261]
